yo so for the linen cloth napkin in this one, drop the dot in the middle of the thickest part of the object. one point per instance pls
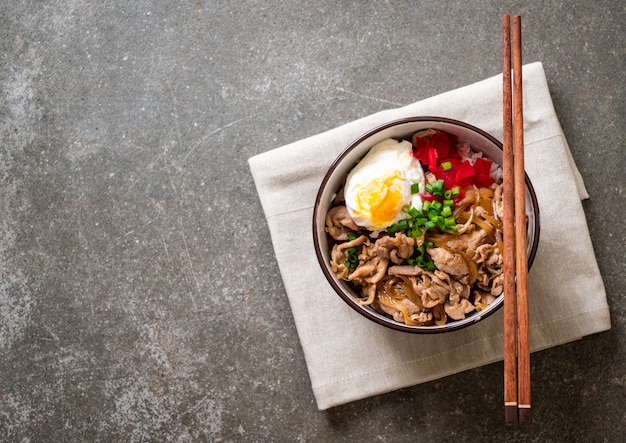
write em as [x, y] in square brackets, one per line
[349, 357]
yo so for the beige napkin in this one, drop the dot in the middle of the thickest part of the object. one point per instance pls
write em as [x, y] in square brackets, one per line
[349, 357]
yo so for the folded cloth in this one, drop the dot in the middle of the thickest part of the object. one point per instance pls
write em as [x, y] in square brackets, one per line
[349, 357]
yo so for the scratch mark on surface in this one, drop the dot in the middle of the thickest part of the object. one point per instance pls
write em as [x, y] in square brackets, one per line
[213, 132]
[176, 119]
[44, 338]
[195, 406]
[190, 263]
[369, 97]
[140, 227]
[167, 252]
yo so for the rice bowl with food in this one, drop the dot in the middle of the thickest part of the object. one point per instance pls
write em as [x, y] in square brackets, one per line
[413, 231]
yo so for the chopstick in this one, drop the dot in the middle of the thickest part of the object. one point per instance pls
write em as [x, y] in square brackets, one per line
[516, 337]
[521, 268]
[508, 201]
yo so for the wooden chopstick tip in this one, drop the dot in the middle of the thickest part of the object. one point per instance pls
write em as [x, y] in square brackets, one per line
[524, 414]
[510, 413]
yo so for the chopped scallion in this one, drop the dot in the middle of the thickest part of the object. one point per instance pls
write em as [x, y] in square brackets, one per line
[436, 205]
[433, 216]
[416, 232]
[353, 258]
[437, 188]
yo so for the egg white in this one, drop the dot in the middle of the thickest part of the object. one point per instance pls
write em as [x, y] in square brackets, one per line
[379, 186]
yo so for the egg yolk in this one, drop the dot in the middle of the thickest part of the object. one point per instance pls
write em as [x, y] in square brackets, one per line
[382, 199]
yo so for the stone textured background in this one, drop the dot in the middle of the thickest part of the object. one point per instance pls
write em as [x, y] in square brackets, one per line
[139, 296]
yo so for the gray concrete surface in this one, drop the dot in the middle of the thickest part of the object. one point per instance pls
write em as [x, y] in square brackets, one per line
[139, 295]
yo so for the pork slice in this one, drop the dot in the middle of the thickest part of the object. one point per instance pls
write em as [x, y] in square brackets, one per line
[370, 272]
[458, 310]
[433, 290]
[415, 313]
[407, 270]
[449, 262]
[339, 223]
[339, 255]
[396, 248]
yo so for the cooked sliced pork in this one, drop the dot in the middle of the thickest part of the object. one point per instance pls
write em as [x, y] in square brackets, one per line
[458, 310]
[450, 262]
[339, 223]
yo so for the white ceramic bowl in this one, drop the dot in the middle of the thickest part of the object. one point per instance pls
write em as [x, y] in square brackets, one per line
[335, 179]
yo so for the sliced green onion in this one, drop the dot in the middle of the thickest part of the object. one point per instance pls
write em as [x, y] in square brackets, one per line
[448, 203]
[416, 232]
[446, 211]
[352, 236]
[436, 205]
[437, 188]
[353, 258]
[415, 188]
[446, 166]
[421, 220]
[413, 212]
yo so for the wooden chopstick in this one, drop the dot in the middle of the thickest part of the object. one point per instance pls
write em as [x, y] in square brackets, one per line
[521, 259]
[516, 337]
[510, 299]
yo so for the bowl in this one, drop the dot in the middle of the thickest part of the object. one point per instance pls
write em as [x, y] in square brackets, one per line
[335, 178]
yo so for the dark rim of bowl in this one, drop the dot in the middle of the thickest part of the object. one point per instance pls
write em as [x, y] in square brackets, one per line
[379, 318]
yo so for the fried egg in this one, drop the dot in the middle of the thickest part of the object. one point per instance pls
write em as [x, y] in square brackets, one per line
[379, 186]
